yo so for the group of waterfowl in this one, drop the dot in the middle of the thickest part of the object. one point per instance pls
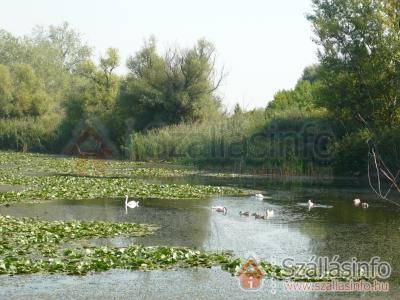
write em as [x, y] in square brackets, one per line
[268, 214]
[357, 203]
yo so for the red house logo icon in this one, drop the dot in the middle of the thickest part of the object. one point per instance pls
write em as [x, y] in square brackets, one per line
[250, 275]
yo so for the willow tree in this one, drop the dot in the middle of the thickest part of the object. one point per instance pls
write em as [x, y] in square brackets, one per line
[178, 86]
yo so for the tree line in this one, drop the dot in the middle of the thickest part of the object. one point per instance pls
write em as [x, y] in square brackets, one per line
[355, 86]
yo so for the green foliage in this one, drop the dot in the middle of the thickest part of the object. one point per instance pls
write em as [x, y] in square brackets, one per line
[22, 92]
[30, 134]
[96, 93]
[351, 152]
[178, 87]
[302, 97]
[254, 142]
[359, 57]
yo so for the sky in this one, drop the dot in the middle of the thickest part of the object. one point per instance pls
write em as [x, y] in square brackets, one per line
[263, 45]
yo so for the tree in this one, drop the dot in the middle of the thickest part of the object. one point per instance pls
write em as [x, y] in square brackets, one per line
[67, 43]
[6, 89]
[53, 54]
[179, 87]
[96, 94]
[360, 59]
[21, 92]
[310, 74]
[302, 97]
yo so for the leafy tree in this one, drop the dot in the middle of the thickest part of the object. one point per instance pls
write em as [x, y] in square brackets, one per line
[301, 97]
[311, 74]
[6, 88]
[360, 59]
[22, 92]
[96, 93]
[67, 43]
[178, 87]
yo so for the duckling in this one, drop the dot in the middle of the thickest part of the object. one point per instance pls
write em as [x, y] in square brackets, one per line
[245, 214]
[357, 202]
[365, 205]
[257, 216]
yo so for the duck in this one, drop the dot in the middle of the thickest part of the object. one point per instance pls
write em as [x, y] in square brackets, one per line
[130, 204]
[257, 216]
[245, 213]
[357, 202]
[270, 213]
[310, 204]
[259, 196]
[221, 209]
[365, 205]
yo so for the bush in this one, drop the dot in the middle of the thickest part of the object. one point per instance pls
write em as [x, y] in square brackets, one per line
[256, 142]
[29, 134]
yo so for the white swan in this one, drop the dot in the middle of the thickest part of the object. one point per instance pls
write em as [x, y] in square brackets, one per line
[365, 205]
[259, 196]
[357, 202]
[130, 204]
[310, 204]
[221, 209]
[270, 213]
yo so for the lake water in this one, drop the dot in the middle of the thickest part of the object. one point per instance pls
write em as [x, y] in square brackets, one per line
[334, 227]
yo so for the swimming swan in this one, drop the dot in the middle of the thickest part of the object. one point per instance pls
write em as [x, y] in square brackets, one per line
[130, 204]
[221, 209]
[310, 204]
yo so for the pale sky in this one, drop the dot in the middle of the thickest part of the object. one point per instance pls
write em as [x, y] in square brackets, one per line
[263, 44]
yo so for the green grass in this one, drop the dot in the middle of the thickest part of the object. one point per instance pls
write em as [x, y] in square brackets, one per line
[258, 142]
[30, 134]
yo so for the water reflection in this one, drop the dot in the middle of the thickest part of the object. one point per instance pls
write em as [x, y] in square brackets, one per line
[334, 227]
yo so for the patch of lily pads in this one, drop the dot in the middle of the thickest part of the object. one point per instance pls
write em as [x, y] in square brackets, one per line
[30, 246]
[40, 163]
[46, 177]
[76, 188]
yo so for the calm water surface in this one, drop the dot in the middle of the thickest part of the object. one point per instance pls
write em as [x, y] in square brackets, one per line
[334, 227]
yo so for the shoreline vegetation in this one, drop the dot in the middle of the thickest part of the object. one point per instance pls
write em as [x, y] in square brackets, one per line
[167, 107]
